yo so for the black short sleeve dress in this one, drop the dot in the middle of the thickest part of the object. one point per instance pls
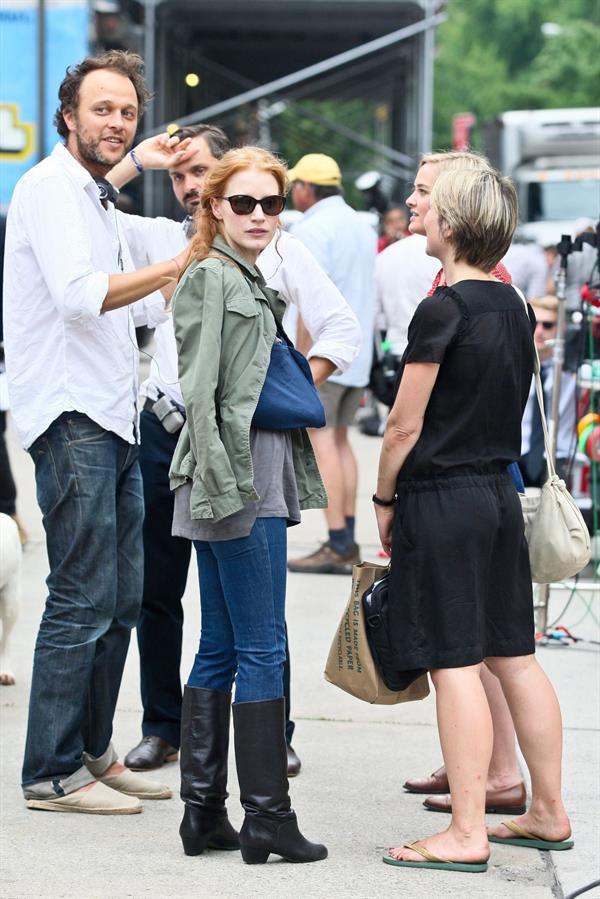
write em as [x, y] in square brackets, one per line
[460, 584]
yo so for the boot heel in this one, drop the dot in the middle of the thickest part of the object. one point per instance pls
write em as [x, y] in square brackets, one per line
[194, 847]
[253, 856]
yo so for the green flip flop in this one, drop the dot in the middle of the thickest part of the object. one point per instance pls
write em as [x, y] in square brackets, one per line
[522, 838]
[433, 862]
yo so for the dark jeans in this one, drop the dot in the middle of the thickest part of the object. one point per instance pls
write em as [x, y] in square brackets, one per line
[8, 491]
[242, 598]
[89, 489]
[166, 563]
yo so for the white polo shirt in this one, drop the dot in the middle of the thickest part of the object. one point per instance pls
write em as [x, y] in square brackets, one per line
[62, 352]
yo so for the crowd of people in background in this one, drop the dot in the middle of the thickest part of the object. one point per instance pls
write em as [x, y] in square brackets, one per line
[131, 478]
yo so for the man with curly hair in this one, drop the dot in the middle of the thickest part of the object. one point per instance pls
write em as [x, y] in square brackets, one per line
[71, 293]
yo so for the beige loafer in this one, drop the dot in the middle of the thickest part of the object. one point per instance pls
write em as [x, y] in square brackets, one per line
[130, 783]
[98, 800]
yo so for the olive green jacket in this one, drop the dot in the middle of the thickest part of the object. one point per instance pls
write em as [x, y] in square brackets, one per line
[224, 328]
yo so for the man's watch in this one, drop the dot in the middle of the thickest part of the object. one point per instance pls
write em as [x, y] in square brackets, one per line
[383, 502]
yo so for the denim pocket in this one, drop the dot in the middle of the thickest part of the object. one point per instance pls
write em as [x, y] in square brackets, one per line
[47, 482]
[81, 429]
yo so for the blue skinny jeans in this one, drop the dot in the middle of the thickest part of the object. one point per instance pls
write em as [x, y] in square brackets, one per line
[242, 601]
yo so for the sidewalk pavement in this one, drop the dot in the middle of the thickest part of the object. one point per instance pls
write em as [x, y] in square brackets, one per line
[355, 758]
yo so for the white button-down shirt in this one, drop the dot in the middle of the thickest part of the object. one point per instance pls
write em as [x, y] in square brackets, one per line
[403, 275]
[286, 265]
[62, 352]
[345, 247]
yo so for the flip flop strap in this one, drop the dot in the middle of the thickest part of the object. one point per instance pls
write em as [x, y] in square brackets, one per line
[420, 850]
[512, 825]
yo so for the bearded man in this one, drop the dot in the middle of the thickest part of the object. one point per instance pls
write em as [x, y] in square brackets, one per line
[71, 357]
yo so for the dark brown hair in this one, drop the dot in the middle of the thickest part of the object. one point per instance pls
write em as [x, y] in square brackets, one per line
[128, 64]
[215, 137]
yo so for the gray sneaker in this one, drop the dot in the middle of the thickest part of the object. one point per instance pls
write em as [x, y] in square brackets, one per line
[326, 560]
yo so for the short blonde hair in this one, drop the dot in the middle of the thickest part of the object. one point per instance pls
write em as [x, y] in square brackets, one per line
[480, 208]
[456, 159]
[549, 303]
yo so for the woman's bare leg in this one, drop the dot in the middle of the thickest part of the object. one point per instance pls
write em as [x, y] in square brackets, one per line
[537, 719]
[504, 769]
[465, 728]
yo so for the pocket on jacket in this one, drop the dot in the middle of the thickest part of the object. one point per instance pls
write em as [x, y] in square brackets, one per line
[242, 305]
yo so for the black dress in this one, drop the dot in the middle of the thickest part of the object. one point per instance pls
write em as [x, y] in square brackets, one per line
[460, 584]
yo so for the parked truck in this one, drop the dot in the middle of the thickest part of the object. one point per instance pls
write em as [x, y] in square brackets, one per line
[553, 157]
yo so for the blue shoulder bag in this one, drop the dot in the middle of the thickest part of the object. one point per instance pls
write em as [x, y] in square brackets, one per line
[289, 398]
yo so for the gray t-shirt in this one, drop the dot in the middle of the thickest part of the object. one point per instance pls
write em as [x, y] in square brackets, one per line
[274, 481]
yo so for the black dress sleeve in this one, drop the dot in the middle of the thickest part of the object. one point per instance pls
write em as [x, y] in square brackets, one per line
[436, 324]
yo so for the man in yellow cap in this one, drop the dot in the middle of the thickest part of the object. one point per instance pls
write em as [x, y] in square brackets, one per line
[345, 246]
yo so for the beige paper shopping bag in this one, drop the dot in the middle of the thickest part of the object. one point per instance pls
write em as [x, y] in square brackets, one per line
[350, 665]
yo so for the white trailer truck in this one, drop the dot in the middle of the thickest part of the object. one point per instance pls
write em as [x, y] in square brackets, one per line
[553, 157]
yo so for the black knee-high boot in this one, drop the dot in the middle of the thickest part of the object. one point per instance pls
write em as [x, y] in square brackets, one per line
[270, 824]
[204, 749]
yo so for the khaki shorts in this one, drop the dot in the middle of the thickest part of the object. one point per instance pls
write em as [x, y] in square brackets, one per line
[340, 403]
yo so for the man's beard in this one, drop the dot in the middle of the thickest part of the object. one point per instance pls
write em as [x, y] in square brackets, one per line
[89, 151]
[189, 207]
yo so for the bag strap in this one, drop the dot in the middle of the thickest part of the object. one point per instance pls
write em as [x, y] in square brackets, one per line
[539, 392]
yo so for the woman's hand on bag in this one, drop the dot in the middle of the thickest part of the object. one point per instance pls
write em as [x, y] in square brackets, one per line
[385, 520]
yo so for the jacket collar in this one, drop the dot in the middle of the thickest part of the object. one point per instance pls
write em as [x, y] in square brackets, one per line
[223, 248]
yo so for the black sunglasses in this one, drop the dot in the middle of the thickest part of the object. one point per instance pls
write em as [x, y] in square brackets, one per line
[547, 326]
[242, 204]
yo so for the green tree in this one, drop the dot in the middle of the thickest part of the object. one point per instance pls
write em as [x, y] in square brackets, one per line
[493, 55]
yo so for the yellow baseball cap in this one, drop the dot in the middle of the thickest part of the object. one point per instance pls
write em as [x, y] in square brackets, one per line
[316, 168]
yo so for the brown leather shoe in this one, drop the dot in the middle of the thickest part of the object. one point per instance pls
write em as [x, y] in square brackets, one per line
[326, 560]
[293, 762]
[150, 752]
[509, 801]
[436, 783]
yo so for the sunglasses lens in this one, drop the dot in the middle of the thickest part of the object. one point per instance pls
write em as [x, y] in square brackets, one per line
[272, 205]
[242, 204]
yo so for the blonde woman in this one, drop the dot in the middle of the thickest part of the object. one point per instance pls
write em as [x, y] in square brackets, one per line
[237, 488]
[505, 790]
[448, 513]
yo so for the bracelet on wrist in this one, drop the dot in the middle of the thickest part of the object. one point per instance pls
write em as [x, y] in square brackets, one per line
[387, 503]
[136, 161]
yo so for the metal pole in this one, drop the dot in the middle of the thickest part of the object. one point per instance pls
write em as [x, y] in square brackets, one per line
[426, 82]
[41, 61]
[319, 68]
[150, 72]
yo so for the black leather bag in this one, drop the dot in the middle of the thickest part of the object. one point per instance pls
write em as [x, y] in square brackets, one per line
[376, 609]
[382, 380]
